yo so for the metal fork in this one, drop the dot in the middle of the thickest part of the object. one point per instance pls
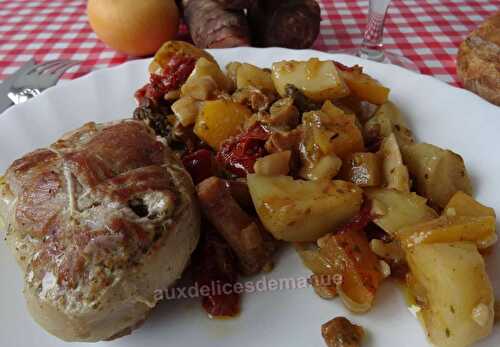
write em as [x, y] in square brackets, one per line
[37, 79]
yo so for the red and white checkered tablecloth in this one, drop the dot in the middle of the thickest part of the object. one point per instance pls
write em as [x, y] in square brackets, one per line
[426, 31]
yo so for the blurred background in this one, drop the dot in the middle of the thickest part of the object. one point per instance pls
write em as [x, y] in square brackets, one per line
[428, 32]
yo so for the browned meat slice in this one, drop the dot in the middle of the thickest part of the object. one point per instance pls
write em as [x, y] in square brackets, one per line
[98, 221]
[340, 332]
[241, 232]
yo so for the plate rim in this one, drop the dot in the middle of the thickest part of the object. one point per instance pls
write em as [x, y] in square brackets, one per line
[282, 51]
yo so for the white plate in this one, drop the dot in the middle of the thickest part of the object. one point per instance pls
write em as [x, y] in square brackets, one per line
[439, 114]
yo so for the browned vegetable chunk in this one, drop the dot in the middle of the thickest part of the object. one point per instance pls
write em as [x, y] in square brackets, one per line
[236, 4]
[292, 23]
[300, 211]
[340, 332]
[328, 132]
[240, 231]
[439, 173]
[211, 26]
[358, 266]
[462, 204]
[480, 230]
[364, 86]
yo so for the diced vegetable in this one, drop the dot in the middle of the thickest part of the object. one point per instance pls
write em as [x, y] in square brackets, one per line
[250, 75]
[170, 49]
[395, 209]
[283, 113]
[256, 99]
[326, 167]
[462, 204]
[331, 131]
[186, 109]
[391, 251]
[364, 86]
[345, 264]
[458, 307]
[439, 173]
[239, 153]
[387, 120]
[205, 79]
[394, 171]
[273, 164]
[218, 120]
[231, 70]
[363, 169]
[296, 210]
[480, 230]
[331, 110]
[346, 137]
[349, 252]
[318, 80]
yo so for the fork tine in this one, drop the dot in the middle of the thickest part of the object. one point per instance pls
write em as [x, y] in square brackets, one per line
[57, 72]
[39, 68]
[56, 66]
[65, 66]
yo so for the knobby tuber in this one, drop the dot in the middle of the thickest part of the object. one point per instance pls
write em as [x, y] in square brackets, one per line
[213, 26]
[236, 4]
[292, 23]
[224, 23]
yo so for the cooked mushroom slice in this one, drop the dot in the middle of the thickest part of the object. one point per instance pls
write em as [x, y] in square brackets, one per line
[340, 332]
[284, 113]
[254, 98]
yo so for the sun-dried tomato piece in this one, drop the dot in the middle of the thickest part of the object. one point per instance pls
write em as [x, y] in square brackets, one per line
[360, 221]
[173, 76]
[199, 165]
[239, 153]
[216, 274]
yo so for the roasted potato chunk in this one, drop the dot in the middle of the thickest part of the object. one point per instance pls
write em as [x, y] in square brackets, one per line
[326, 167]
[248, 75]
[186, 109]
[297, 210]
[274, 164]
[318, 80]
[395, 173]
[462, 204]
[328, 134]
[364, 86]
[439, 173]
[333, 131]
[458, 307]
[175, 48]
[463, 219]
[205, 80]
[480, 230]
[395, 209]
[220, 119]
[386, 121]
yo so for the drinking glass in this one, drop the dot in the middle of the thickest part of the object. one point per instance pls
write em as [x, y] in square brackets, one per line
[372, 47]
